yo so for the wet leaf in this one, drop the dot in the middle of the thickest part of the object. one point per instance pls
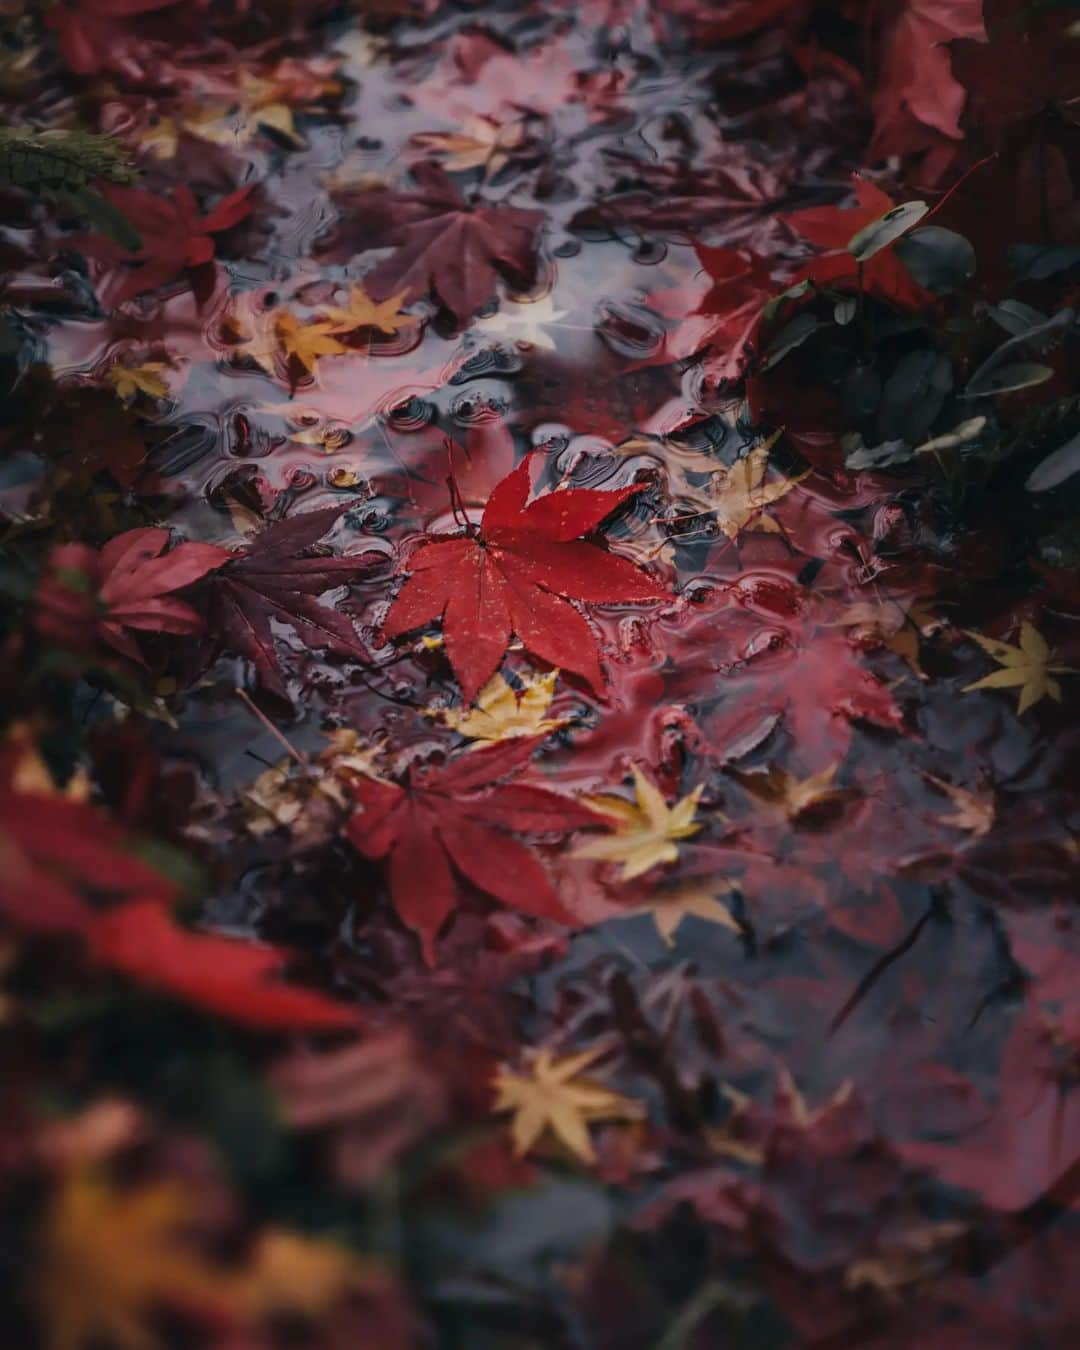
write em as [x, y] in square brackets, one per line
[555, 1098]
[111, 1257]
[646, 831]
[692, 899]
[501, 712]
[1027, 667]
[515, 575]
[456, 824]
[885, 230]
[939, 259]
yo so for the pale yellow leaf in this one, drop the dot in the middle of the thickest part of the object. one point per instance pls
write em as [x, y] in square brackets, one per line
[645, 832]
[555, 1099]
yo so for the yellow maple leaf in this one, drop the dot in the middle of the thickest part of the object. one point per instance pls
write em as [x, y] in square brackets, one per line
[738, 496]
[273, 336]
[897, 624]
[1027, 667]
[501, 712]
[305, 342]
[109, 1258]
[264, 105]
[790, 796]
[481, 144]
[295, 796]
[975, 811]
[130, 381]
[160, 139]
[298, 1275]
[363, 312]
[556, 1098]
[645, 831]
[695, 899]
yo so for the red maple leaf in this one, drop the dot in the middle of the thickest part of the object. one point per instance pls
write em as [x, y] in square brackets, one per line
[832, 228]
[275, 579]
[724, 317]
[227, 976]
[54, 853]
[918, 101]
[84, 595]
[443, 242]
[175, 238]
[92, 33]
[1028, 65]
[513, 574]
[453, 822]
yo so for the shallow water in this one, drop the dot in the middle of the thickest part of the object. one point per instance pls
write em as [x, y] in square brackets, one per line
[898, 965]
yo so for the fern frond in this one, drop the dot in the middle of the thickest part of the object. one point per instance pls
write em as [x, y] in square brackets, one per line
[55, 160]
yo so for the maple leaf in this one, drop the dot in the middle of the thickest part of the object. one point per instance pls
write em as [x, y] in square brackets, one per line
[293, 1274]
[175, 238]
[55, 853]
[737, 496]
[227, 976]
[453, 822]
[1028, 65]
[792, 797]
[275, 579]
[263, 103]
[1027, 667]
[443, 242]
[91, 33]
[111, 1258]
[128, 585]
[370, 1099]
[556, 1098]
[303, 342]
[513, 575]
[897, 623]
[276, 337]
[482, 143]
[501, 712]
[310, 799]
[832, 228]
[975, 812]
[146, 378]
[363, 312]
[693, 899]
[724, 319]
[917, 98]
[646, 831]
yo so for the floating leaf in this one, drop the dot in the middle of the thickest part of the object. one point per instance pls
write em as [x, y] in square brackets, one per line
[646, 832]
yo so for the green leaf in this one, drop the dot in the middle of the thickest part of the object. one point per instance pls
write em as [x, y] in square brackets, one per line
[1008, 379]
[939, 260]
[885, 230]
[792, 335]
[110, 220]
[1036, 262]
[1056, 467]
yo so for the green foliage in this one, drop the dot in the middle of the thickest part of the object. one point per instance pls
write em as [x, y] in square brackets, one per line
[61, 165]
[52, 161]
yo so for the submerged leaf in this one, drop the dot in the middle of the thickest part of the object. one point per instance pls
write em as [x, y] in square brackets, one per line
[557, 1099]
